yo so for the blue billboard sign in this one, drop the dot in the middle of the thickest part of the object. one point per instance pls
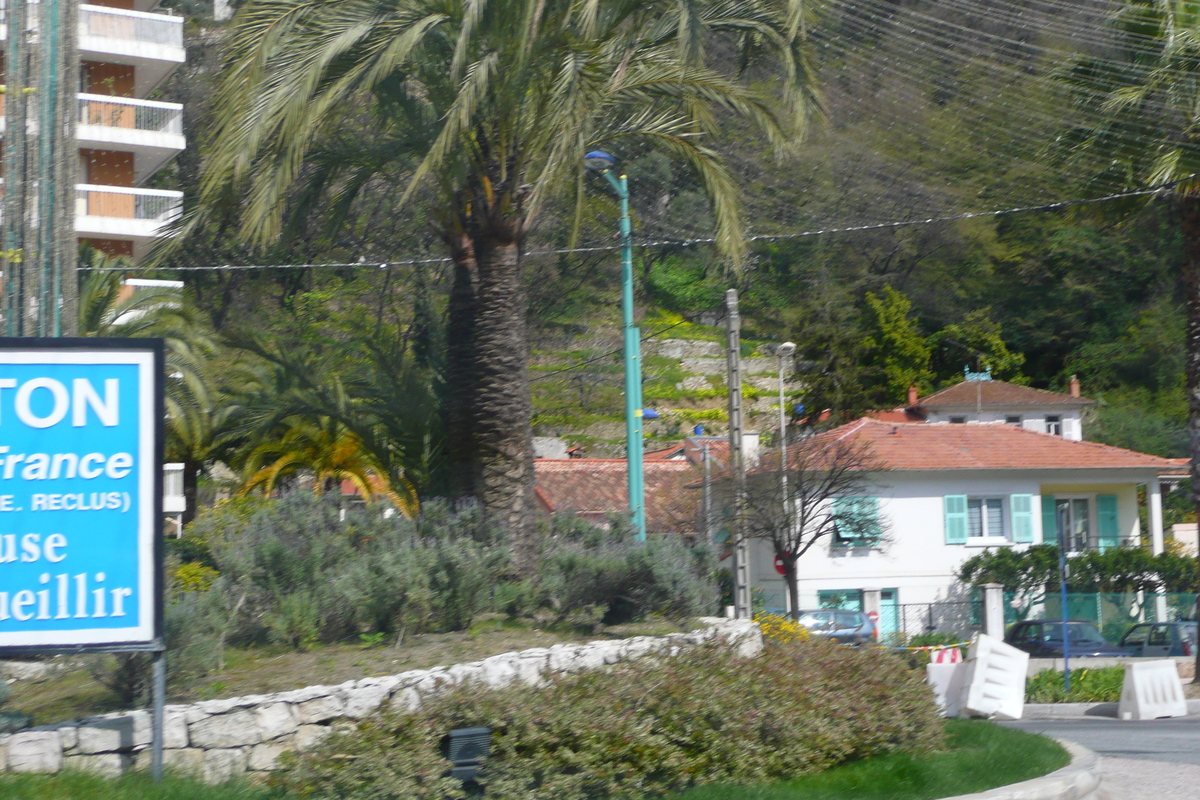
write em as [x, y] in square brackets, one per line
[80, 493]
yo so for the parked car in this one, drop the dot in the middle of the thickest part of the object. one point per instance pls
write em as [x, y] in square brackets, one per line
[1154, 639]
[1043, 639]
[840, 625]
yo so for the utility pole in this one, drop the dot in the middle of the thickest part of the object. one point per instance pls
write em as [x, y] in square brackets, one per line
[40, 250]
[737, 465]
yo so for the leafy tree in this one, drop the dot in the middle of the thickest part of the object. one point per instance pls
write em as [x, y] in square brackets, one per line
[491, 106]
[1140, 118]
[824, 492]
[895, 346]
[977, 342]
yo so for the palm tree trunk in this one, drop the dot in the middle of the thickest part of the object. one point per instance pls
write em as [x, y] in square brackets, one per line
[461, 385]
[504, 411]
[1189, 208]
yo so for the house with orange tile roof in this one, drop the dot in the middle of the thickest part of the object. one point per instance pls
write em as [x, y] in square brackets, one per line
[980, 399]
[946, 492]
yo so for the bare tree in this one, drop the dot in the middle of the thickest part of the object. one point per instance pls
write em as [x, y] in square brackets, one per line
[826, 492]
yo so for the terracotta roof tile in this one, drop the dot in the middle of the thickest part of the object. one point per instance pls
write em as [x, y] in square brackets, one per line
[924, 446]
[596, 487]
[998, 393]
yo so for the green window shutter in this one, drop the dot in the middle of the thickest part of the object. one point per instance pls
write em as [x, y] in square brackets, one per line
[1106, 519]
[1049, 520]
[869, 509]
[956, 518]
[1021, 508]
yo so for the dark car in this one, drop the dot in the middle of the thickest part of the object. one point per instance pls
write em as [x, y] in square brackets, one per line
[1044, 640]
[1155, 639]
[840, 625]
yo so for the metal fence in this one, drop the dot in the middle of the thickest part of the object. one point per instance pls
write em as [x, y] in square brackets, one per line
[126, 112]
[132, 26]
[959, 618]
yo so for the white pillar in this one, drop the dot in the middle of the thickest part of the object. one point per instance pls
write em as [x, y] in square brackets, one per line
[1154, 512]
[993, 609]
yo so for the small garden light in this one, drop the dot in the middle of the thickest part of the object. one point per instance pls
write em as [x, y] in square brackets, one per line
[467, 749]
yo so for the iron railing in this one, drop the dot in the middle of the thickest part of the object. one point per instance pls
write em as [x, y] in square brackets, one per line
[127, 112]
[132, 26]
[128, 203]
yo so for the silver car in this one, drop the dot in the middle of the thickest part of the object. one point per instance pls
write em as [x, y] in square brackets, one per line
[840, 625]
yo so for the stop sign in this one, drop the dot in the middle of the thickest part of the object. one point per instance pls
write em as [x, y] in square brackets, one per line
[873, 616]
[779, 566]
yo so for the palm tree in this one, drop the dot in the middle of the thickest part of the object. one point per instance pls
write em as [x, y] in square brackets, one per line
[490, 105]
[1139, 112]
[330, 453]
[196, 415]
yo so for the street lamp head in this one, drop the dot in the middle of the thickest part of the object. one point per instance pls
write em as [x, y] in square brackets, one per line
[786, 350]
[599, 161]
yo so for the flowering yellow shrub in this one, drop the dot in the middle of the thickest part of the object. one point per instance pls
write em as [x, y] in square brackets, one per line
[193, 577]
[778, 628]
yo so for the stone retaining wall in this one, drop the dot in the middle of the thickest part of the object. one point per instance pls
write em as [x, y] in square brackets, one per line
[221, 738]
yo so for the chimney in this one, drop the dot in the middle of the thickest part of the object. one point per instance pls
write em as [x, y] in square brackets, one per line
[1074, 390]
[912, 394]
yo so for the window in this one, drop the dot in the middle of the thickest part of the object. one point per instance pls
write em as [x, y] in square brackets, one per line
[857, 520]
[1012, 420]
[958, 420]
[1054, 426]
[173, 482]
[985, 517]
[1074, 522]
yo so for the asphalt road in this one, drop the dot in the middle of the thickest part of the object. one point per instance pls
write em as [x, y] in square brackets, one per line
[1175, 740]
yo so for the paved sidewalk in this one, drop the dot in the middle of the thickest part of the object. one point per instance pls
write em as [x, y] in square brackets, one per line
[1141, 779]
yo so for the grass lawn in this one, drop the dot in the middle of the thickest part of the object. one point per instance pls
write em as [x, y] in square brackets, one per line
[260, 670]
[135, 786]
[982, 756]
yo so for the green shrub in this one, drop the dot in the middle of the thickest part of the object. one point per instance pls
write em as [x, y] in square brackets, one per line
[1096, 685]
[643, 729]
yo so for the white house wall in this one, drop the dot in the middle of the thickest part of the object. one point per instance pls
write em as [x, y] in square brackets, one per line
[914, 558]
[1072, 422]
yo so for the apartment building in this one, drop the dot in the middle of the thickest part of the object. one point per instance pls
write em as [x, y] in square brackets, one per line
[126, 50]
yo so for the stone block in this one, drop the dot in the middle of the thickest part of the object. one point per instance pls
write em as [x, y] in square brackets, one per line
[531, 668]
[365, 700]
[276, 720]
[563, 658]
[461, 674]
[235, 729]
[35, 751]
[221, 765]
[407, 699]
[265, 757]
[320, 709]
[308, 736]
[499, 671]
[106, 765]
[175, 729]
[111, 734]
[70, 737]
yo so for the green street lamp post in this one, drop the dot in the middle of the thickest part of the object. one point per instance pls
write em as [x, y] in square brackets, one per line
[603, 163]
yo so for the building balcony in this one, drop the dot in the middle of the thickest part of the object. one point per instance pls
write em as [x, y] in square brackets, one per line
[151, 130]
[153, 43]
[125, 213]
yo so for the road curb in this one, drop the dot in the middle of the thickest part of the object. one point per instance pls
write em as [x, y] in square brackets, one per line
[1079, 780]
[1081, 710]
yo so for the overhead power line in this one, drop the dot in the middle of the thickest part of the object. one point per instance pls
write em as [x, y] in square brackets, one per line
[701, 240]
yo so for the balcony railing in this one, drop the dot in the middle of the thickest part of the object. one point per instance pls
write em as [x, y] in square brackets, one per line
[126, 112]
[156, 205]
[131, 26]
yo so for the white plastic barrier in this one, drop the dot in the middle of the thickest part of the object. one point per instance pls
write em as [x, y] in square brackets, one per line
[995, 679]
[1152, 690]
[947, 682]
